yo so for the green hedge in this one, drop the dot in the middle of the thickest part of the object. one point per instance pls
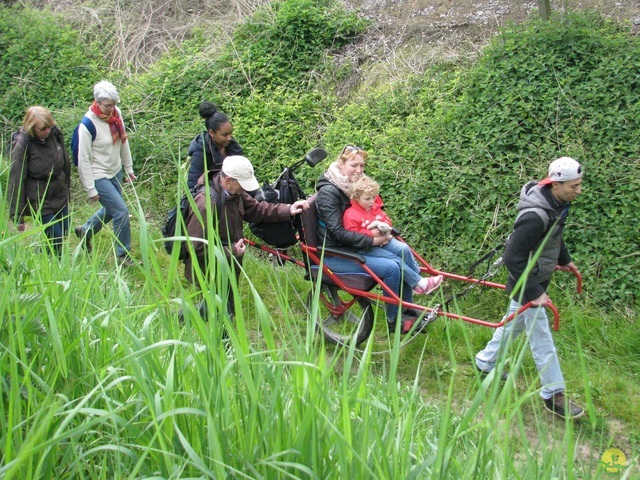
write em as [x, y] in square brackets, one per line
[284, 42]
[43, 61]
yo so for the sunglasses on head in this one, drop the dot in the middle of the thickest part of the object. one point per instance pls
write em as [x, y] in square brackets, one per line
[351, 148]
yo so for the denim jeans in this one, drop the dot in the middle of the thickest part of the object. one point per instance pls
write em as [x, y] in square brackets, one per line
[113, 207]
[58, 229]
[400, 253]
[385, 268]
[535, 322]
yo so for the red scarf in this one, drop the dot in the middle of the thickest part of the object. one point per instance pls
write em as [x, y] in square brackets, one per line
[114, 120]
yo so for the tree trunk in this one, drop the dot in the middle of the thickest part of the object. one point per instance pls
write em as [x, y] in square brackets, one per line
[544, 6]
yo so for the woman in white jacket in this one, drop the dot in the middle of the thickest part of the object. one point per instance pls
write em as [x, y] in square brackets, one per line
[102, 164]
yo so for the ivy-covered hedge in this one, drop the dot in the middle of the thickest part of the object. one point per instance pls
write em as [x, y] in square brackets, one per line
[43, 61]
[282, 43]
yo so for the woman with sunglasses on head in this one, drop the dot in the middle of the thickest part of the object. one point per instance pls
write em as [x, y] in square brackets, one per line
[209, 148]
[332, 200]
[40, 175]
[104, 162]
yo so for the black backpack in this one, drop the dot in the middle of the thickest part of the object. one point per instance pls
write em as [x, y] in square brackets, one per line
[18, 135]
[285, 190]
[21, 136]
[179, 214]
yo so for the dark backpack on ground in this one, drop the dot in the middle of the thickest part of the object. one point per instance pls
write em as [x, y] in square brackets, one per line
[285, 190]
[86, 121]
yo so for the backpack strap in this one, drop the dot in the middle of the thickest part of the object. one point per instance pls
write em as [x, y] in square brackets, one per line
[216, 197]
[542, 213]
[86, 121]
[20, 138]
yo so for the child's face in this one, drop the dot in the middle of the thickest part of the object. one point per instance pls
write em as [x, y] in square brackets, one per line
[366, 201]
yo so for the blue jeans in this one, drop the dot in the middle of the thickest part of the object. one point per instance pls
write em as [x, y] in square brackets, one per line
[58, 229]
[113, 207]
[536, 324]
[385, 268]
[400, 253]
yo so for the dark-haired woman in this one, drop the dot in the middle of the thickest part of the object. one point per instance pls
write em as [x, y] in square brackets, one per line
[40, 175]
[211, 147]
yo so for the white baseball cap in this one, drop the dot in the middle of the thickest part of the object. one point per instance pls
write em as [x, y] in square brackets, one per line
[563, 169]
[240, 169]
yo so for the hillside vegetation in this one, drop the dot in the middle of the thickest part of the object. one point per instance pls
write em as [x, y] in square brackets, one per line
[451, 147]
[98, 378]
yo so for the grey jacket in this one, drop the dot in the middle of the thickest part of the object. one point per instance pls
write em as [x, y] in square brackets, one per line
[539, 225]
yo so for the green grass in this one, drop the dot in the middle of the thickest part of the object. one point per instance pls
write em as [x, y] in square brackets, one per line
[100, 380]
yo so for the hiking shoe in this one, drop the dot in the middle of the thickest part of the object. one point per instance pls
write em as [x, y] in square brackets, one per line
[411, 312]
[407, 323]
[504, 376]
[84, 238]
[127, 261]
[556, 404]
[404, 328]
[427, 285]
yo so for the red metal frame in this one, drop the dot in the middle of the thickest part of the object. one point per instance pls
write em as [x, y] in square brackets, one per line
[388, 296]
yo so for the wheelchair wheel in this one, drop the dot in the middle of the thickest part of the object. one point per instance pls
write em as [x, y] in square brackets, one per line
[341, 317]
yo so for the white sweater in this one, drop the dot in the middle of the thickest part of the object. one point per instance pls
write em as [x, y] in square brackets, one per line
[101, 158]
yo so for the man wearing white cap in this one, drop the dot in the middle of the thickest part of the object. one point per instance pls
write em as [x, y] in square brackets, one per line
[232, 205]
[542, 213]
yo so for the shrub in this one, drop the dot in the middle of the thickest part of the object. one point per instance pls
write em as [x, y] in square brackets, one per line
[285, 41]
[277, 46]
[279, 126]
[566, 87]
[43, 61]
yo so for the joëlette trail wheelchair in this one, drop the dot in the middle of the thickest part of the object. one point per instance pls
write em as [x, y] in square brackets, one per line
[344, 311]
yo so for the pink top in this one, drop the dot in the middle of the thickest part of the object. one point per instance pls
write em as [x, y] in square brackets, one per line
[356, 218]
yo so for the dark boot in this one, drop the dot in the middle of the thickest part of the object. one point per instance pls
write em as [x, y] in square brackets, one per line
[85, 238]
[563, 406]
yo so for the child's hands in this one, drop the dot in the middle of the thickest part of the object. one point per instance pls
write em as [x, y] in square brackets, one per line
[383, 227]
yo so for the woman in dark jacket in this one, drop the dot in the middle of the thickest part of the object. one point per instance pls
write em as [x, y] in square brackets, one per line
[332, 200]
[209, 148]
[40, 175]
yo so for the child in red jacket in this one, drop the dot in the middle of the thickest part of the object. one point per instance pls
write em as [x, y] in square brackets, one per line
[365, 215]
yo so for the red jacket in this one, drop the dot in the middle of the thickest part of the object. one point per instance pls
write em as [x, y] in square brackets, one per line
[356, 218]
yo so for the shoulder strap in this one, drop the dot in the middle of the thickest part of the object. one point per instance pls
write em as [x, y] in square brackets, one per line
[58, 133]
[542, 213]
[216, 196]
[20, 138]
[86, 121]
